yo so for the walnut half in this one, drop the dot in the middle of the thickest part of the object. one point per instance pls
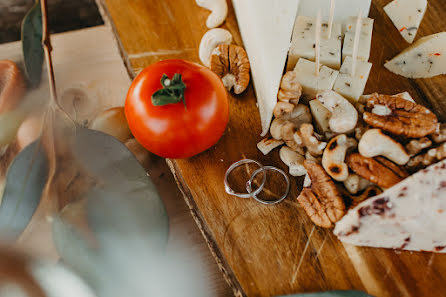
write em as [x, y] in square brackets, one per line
[231, 63]
[323, 203]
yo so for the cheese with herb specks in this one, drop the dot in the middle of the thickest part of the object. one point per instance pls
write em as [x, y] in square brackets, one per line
[425, 58]
[409, 216]
[406, 15]
[365, 39]
[303, 43]
[311, 83]
[352, 87]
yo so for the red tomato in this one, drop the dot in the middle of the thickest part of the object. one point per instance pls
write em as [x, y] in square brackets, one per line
[183, 129]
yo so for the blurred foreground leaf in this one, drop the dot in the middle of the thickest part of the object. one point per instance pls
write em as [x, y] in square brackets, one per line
[32, 44]
[25, 181]
[124, 212]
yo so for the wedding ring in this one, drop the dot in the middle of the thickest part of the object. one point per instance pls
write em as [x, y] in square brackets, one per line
[256, 192]
[250, 193]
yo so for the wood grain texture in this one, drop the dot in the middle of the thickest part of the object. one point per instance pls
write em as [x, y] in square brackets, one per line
[268, 251]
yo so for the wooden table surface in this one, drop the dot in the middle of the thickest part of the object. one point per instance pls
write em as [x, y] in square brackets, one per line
[106, 82]
[268, 251]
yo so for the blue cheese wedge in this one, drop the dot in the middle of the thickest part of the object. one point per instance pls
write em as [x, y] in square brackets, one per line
[425, 58]
[410, 216]
[406, 15]
[312, 83]
[365, 39]
[303, 43]
[266, 28]
[352, 87]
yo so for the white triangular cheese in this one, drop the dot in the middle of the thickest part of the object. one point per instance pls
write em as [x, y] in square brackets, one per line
[411, 215]
[425, 58]
[406, 15]
[266, 27]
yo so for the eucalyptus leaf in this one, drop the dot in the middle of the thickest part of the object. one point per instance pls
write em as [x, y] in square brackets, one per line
[32, 44]
[332, 294]
[124, 212]
[25, 181]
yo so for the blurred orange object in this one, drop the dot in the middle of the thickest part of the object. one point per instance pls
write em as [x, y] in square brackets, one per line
[12, 85]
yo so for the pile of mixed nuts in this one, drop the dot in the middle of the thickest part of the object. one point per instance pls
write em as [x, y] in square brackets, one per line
[350, 151]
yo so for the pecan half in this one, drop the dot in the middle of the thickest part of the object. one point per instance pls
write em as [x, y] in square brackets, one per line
[378, 170]
[231, 63]
[403, 117]
[323, 203]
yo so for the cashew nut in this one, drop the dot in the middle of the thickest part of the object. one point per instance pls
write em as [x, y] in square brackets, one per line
[293, 160]
[344, 115]
[219, 11]
[375, 143]
[268, 144]
[113, 122]
[210, 40]
[354, 183]
[333, 159]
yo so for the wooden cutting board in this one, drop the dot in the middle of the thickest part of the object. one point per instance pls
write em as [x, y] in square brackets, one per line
[274, 250]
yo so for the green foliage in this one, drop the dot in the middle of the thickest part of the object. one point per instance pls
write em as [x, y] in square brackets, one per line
[172, 91]
[25, 181]
[32, 44]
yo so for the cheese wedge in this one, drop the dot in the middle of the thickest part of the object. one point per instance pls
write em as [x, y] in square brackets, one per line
[352, 87]
[311, 83]
[365, 39]
[266, 27]
[303, 43]
[406, 15]
[343, 8]
[410, 216]
[425, 58]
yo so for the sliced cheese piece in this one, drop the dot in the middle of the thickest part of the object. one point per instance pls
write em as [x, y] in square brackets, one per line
[365, 39]
[343, 8]
[266, 28]
[311, 83]
[303, 43]
[425, 58]
[411, 215]
[406, 15]
[352, 87]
